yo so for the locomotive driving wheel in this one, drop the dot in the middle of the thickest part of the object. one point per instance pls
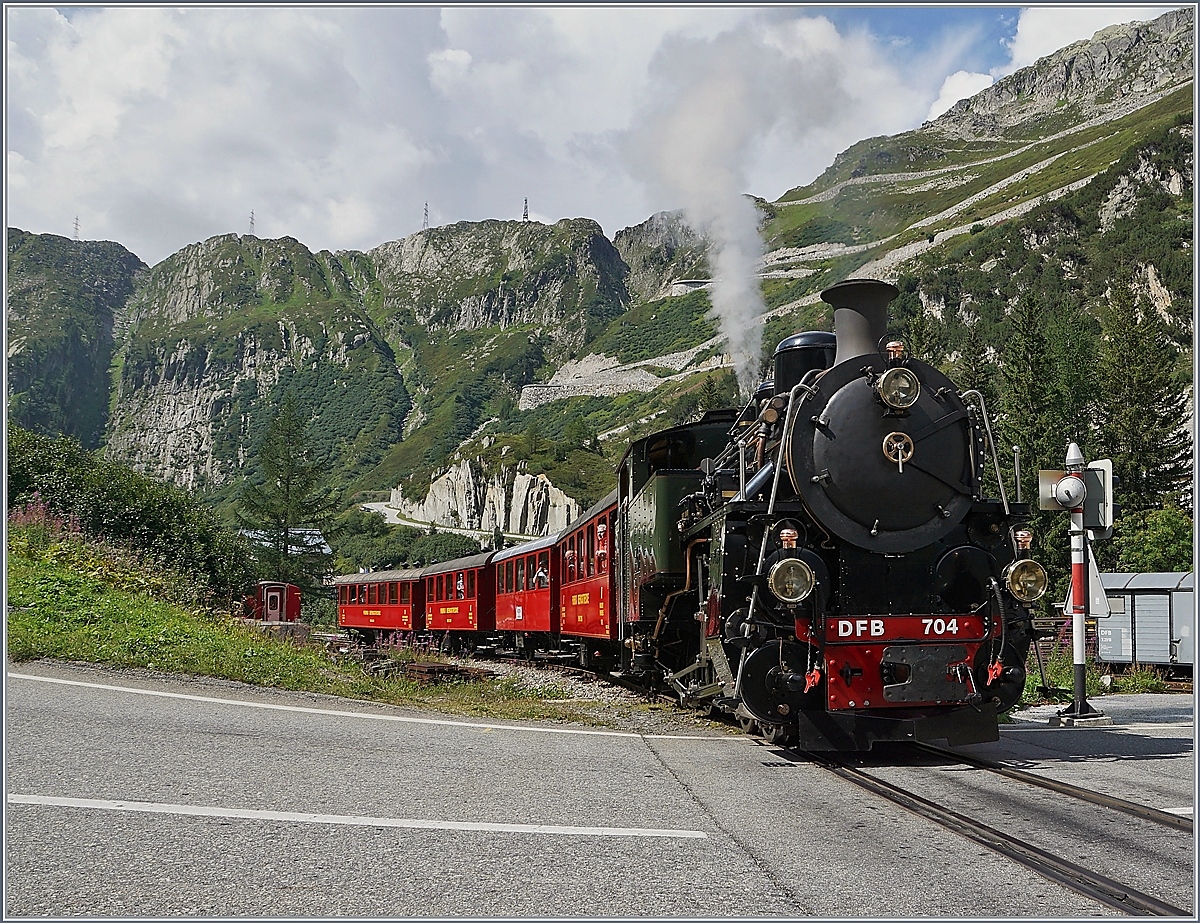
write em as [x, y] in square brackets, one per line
[748, 725]
[780, 735]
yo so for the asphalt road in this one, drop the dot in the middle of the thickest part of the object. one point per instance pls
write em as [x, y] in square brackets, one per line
[134, 795]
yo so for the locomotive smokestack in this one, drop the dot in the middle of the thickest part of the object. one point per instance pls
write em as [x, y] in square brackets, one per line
[859, 315]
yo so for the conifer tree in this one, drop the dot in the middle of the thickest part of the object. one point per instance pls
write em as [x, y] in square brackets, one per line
[291, 499]
[972, 370]
[1028, 379]
[1141, 410]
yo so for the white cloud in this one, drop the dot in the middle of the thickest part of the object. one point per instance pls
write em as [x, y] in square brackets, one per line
[1042, 30]
[959, 85]
[335, 125]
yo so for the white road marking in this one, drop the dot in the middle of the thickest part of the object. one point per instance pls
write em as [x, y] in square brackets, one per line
[1144, 726]
[403, 719]
[198, 810]
[1182, 812]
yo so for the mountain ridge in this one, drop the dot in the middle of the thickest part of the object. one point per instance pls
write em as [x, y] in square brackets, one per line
[477, 342]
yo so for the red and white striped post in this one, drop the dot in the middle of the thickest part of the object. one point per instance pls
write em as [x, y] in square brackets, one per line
[1070, 492]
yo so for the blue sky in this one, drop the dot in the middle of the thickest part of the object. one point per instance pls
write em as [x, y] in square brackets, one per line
[916, 27]
[158, 127]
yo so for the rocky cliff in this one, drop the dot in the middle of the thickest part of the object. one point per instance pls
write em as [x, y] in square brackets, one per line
[659, 251]
[62, 301]
[466, 497]
[1118, 66]
[217, 333]
[565, 278]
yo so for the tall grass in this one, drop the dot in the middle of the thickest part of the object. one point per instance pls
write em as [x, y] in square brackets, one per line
[1060, 676]
[77, 599]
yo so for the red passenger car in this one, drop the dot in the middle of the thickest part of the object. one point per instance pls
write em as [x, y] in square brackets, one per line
[460, 595]
[274, 602]
[585, 554]
[527, 582]
[382, 601]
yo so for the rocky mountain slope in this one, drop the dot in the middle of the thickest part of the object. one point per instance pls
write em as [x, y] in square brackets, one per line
[62, 302]
[504, 364]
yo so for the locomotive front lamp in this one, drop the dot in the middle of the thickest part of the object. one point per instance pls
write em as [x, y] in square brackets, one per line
[791, 580]
[1026, 580]
[899, 388]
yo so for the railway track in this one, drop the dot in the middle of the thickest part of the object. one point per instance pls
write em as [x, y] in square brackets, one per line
[1131, 808]
[1110, 893]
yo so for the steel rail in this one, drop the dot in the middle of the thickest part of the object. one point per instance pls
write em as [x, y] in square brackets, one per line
[1111, 894]
[1065, 788]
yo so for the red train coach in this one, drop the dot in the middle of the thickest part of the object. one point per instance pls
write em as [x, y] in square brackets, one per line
[527, 579]
[460, 595]
[381, 601]
[273, 602]
[587, 599]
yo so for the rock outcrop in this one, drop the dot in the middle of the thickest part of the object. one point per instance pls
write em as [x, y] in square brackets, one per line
[465, 497]
[62, 302]
[1117, 65]
[213, 337]
[566, 277]
[660, 251]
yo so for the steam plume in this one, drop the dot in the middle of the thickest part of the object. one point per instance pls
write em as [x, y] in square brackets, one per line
[714, 101]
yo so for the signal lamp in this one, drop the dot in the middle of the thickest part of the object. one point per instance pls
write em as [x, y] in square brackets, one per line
[899, 388]
[791, 580]
[1026, 580]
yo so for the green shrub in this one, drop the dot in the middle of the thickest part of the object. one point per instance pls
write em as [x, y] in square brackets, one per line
[1060, 674]
[1139, 679]
[116, 504]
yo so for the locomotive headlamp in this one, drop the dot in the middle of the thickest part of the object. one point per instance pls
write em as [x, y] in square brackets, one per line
[899, 388]
[1026, 580]
[791, 580]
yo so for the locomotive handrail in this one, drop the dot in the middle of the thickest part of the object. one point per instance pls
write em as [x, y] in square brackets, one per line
[987, 427]
[788, 423]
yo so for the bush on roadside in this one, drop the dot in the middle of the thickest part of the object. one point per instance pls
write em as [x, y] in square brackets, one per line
[1060, 674]
[59, 480]
[1139, 679]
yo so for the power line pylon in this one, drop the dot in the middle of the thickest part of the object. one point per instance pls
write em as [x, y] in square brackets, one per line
[525, 214]
[77, 227]
[251, 222]
[425, 223]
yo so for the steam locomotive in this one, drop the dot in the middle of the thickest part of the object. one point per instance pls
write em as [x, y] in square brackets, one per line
[822, 564]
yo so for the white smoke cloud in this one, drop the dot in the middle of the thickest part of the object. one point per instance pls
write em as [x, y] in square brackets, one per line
[715, 101]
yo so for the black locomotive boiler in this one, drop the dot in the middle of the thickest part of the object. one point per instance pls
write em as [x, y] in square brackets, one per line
[825, 564]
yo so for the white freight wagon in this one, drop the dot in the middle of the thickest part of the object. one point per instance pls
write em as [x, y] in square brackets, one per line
[1151, 620]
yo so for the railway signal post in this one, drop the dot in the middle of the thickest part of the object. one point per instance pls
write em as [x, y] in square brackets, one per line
[1071, 490]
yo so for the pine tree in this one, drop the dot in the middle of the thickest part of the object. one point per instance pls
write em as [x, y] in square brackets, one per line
[1141, 412]
[710, 394]
[1026, 404]
[291, 499]
[972, 370]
